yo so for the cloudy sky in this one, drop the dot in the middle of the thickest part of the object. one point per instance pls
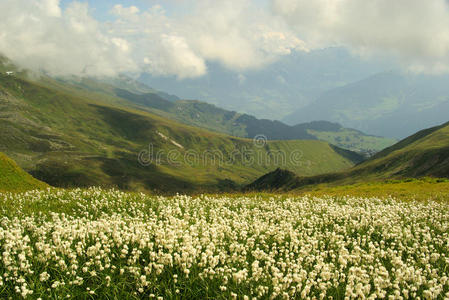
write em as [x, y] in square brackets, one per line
[180, 37]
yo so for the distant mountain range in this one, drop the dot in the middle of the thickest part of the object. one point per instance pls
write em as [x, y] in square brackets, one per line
[388, 104]
[425, 153]
[276, 90]
[328, 84]
[210, 117]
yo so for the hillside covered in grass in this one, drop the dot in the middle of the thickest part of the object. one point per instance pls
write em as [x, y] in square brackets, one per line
[424, 154]
[71, 137]
[211, 117]
[14, 179]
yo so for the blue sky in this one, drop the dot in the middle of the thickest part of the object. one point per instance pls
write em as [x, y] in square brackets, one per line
[101, 8]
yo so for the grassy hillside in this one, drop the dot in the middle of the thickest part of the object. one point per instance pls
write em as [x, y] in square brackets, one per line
[14, 179]
[69, 137]
[128, 92]
[424, 154]
[210, 117]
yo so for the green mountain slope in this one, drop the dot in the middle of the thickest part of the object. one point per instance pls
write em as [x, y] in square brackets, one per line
[204, 115]
[424, 154]
[14, 179]
[210, 117]
[69, 137]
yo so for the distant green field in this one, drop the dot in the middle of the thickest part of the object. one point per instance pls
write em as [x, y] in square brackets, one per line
[354, 140]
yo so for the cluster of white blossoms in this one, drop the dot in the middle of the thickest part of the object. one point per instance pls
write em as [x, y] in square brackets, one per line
[96, 243]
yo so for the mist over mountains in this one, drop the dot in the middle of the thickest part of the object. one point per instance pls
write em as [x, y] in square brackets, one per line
[277, 90]
[390, 104]
[329, 84]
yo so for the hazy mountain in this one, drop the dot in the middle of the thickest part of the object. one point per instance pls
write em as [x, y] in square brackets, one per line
[387, 104]
[276, 90]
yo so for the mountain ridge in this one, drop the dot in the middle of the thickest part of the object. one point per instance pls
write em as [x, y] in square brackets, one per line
[210, 117]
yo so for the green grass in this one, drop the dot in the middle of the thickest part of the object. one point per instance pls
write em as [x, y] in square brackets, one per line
[424, 189]
[424, 154]
[208, 116]
[14, 179]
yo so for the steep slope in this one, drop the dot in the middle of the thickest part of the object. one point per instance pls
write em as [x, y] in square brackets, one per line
[14, 179]
[388, 104]
[72, 138]
[424, 154]
[210, 117]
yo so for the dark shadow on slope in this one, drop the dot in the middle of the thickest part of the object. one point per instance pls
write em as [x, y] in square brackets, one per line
[352, 156]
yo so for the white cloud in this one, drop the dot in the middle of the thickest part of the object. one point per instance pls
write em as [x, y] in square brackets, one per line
[416, 32]
[174, 56]
[158, 48]
[119, 10]
[239, 34]
[236, 33]
[50, 7]
[36, 34]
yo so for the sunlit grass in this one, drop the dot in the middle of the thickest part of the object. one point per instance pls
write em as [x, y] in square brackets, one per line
[424, 189]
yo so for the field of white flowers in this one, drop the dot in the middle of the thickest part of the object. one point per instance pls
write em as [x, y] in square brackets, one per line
[93, 244]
